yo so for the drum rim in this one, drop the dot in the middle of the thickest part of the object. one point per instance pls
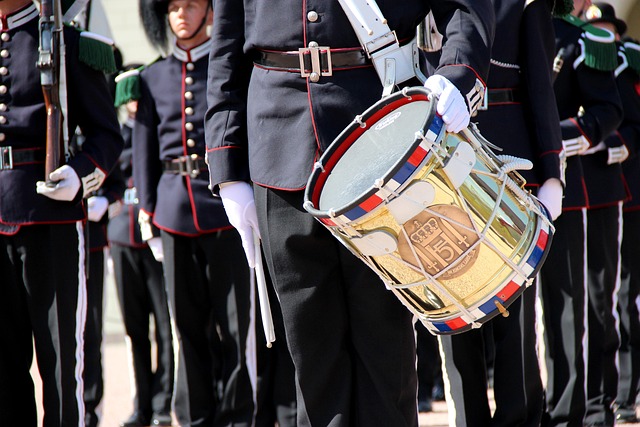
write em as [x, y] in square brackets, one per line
[351, 134]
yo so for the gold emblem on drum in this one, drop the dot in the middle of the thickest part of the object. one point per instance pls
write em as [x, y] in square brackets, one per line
[440, 237]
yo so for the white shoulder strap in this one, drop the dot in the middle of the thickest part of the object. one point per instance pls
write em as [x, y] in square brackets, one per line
[393, 63]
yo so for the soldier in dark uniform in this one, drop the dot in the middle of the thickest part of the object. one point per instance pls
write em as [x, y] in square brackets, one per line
[351, 340]
[141, 293]
[626, 139]
[41, 227]
[520, 117]
[589, 108]
[206, 274]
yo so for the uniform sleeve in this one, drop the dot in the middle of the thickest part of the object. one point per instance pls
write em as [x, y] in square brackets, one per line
[91, 108]
[538, 46]
[147, 168]
[228, 80]
[601, 105]
[628, 133]
[468, 30]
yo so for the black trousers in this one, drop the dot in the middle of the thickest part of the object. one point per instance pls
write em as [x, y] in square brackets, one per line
[563, 291]
[93, 378]
[629, 351]
[141, 294]
[42, 301]
[604, 230]
[517, 384]
[209, 294]
[276, 388]
[351, 340]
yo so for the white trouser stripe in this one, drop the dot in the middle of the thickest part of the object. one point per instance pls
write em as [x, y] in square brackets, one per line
[616, 289]
[585, 305]
[81, 315]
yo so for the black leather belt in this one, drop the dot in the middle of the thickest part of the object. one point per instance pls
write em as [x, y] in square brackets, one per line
[329, 59]
[501, 96]
[10, 157]
[185, 165]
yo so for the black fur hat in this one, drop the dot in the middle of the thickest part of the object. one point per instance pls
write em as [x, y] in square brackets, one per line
[154, 20]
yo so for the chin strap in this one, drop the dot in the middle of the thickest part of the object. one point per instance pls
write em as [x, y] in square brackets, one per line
[200, 27]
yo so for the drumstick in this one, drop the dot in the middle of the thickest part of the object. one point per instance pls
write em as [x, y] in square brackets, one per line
[263, 296]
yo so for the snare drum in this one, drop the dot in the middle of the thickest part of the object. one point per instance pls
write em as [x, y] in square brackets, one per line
[444, 221]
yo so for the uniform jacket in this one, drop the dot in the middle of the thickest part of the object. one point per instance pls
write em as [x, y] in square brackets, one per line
[521, 59]
[169, 124]
[123, 229]
[270, 126]
[579, 85]
[628, 81]
[22, 109]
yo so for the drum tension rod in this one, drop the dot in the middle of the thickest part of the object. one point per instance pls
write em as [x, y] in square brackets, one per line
[502, 310]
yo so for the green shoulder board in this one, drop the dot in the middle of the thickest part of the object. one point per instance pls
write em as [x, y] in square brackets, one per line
[632, 51]
[127, 86]
[97, 52]
[598, 45]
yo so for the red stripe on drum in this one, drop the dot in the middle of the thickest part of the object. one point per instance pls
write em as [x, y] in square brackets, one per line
[543, 238]
[371, 203]
[456, 323]
[417, 156]
[328, 222]
[508, 291]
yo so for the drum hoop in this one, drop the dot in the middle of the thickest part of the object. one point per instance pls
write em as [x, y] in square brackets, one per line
[400, 172]
[486, 309]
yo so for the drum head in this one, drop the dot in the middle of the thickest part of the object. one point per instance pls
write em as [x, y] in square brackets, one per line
[374, 155]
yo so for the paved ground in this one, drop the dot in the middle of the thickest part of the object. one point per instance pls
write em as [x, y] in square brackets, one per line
[117, 403]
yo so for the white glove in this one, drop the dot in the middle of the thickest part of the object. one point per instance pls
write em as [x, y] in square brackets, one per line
[550, 195]
[144, 221]
[238, 201]
[66, 185]
[451, 105]
[115, 209]
[155, 244]
[96, 207]
[575, 146]
[617, 154]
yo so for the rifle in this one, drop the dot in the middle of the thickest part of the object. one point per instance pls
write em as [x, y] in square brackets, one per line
[50, 64]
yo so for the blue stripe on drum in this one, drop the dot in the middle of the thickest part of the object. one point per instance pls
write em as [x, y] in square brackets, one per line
[434, 128]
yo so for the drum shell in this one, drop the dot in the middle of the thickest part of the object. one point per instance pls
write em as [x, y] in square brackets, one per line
[510, 238]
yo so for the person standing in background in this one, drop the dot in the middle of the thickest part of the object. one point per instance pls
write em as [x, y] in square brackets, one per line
[626, 140]
[206, 274]
[521, 118]
[589, 109]
[141, 293]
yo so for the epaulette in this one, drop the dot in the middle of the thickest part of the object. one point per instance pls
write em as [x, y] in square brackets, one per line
[96, 51]
[598, 45]
[632, 51]
[128, 86]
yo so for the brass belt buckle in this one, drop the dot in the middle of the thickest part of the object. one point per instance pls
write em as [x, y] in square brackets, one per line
[130, 196]
[189, 165]
[6, 158]
[314, 52]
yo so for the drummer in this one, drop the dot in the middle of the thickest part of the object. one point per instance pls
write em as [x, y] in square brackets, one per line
[521, 117]
[351, 340]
